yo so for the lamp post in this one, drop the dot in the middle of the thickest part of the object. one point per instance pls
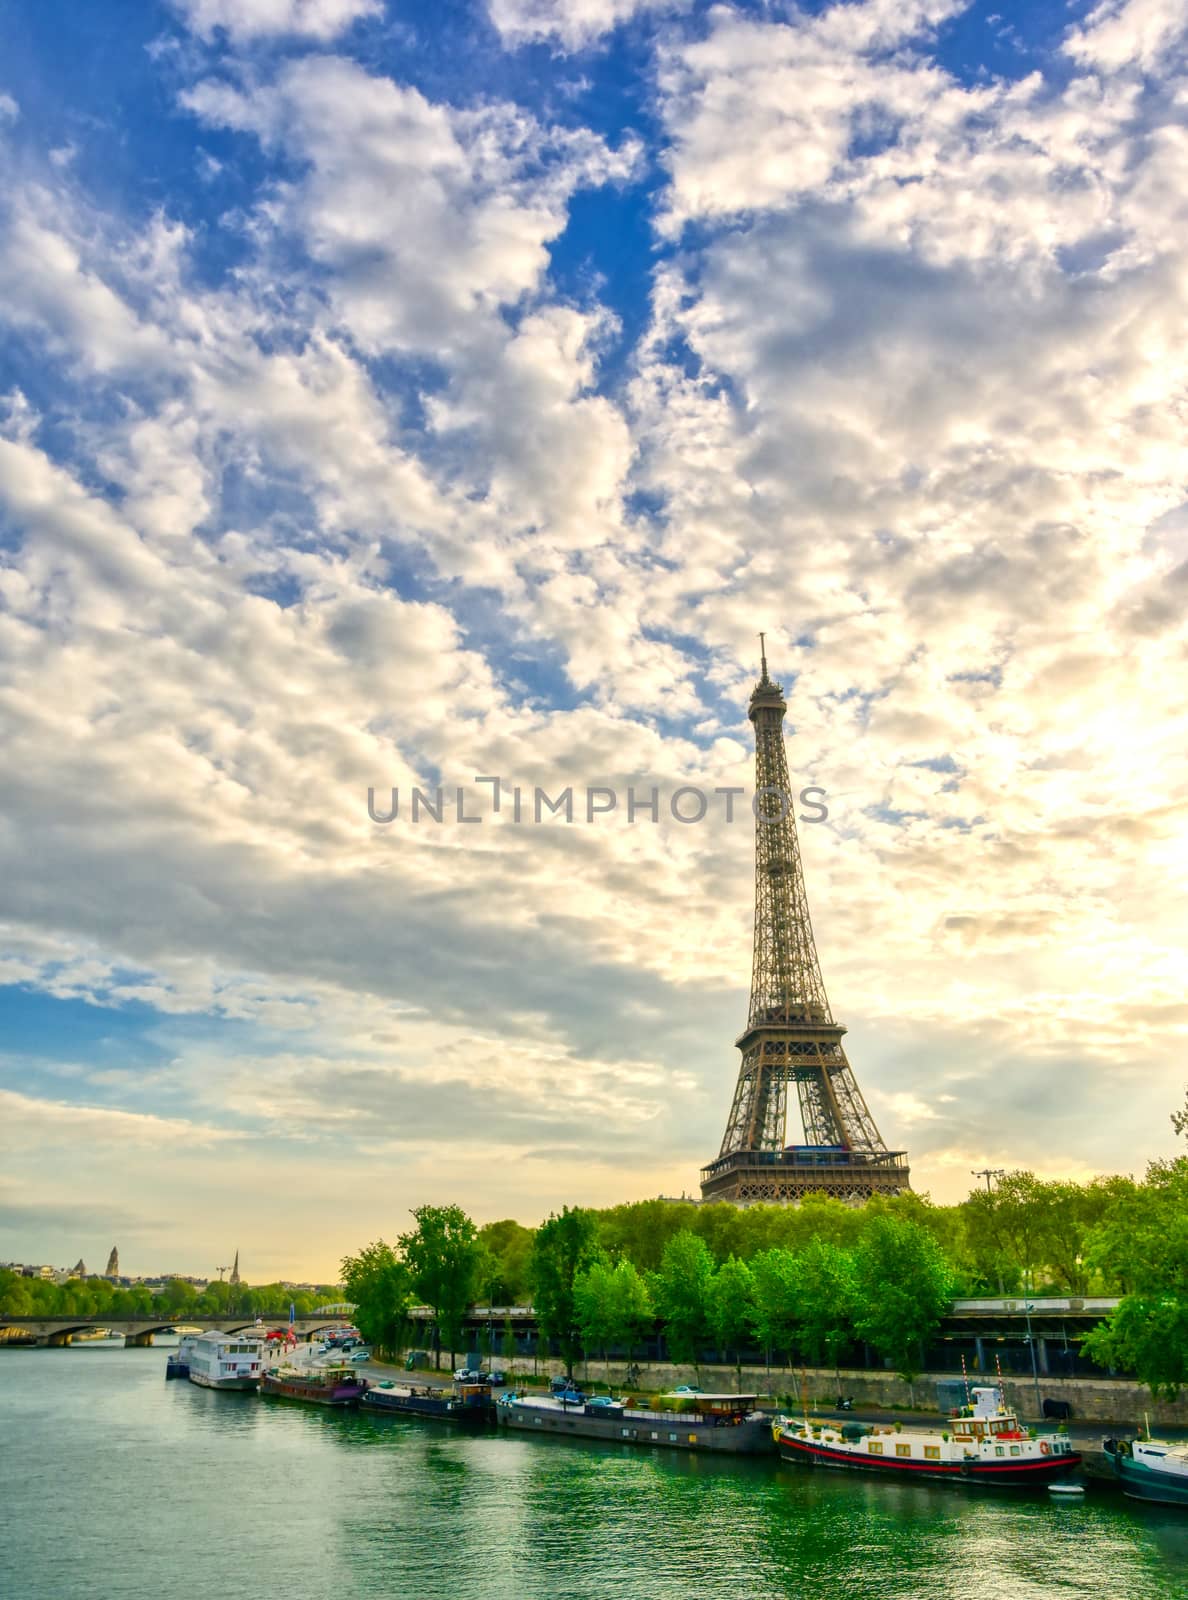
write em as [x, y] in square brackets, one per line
[1027, 1308]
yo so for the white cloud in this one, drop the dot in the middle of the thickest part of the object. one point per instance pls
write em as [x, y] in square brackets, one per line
[1124, 33]
[245, 20]
[358, 516]
[573, 24]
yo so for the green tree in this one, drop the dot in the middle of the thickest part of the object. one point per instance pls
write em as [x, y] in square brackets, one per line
[15, 1299]
[563, 1247]
[1143, 1243]
[442, 1253]
[731, 1308]
[504, 1281]
[823, 1281]
[613, 1306]
[380, 1285]
[774, 1317]
[681, 1292]
[903, 1287]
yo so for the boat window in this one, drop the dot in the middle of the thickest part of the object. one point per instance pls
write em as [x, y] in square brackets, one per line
[999, 1451]
[903, 1449]
[874, 1449]
[1014, 1449]
[932, 1452]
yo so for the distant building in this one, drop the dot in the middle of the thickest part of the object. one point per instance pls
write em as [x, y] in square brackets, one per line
[113, 1264]
[235, 1269]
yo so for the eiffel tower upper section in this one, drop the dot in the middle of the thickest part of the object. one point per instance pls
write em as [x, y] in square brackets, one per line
[791, 1037]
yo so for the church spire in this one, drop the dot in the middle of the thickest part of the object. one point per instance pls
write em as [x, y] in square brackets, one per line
[235, 1269]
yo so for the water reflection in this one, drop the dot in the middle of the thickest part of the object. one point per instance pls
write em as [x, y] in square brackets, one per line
[141, 1481]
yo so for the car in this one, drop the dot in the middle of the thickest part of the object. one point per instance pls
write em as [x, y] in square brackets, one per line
[359, 1355]
[468, 1375]
[685, 1388]
[571, 1397]
[604, 1402]
[497, 1378]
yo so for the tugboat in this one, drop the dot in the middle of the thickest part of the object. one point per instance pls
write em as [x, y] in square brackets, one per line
[983, 1443]
[725, 1423]
[1151, 1469]
[468, 1401]
[336, 1384]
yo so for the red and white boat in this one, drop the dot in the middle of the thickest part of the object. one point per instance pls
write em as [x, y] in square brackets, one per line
[982, 1444]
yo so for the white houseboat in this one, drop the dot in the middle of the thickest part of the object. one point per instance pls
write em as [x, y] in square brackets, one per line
[225, 1361]
[982, 1444]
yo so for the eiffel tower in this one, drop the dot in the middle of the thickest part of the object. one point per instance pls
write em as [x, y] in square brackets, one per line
[791, 1036]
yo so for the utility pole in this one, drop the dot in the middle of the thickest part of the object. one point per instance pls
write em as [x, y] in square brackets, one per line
[1028, 1284]
[989, 1173]
[220, 1271]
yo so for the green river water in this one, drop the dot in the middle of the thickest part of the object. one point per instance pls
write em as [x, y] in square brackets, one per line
[114, 1483]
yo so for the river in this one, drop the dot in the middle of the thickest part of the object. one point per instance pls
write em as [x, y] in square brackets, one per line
[117, 1485]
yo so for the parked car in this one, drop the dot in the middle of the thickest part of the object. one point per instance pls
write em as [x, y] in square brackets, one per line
[497, 1378]
[359, 1355]
[468, 1375]
[603, 1402]
[685, 1388]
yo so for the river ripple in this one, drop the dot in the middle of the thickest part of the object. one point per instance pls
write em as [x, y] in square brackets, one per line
[114, 1483]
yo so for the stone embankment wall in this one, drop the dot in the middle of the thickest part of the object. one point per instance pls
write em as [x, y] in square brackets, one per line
[1110, 1401]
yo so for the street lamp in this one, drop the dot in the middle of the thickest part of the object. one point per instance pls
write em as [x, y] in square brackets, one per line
[1027, 1310]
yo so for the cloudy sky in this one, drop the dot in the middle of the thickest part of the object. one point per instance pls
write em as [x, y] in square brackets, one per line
[398, 393]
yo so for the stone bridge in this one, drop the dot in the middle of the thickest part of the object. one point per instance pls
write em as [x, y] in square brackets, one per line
[141, 1330]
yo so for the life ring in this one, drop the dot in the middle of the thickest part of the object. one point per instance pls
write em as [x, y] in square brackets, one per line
[1045, 1448]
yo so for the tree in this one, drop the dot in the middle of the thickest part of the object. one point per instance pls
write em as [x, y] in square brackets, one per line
[903, 1287]
[15, 1299]
[442, 1255]
[681, 1293]
[774, 1316]
[1143, 1243]
[380, 1285]
[824, 1294]
[563, 1247]
[504, 1279]
[612, 1305]
[731, 1308]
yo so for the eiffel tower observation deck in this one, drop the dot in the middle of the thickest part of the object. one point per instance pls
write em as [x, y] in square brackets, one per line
[791, 1037]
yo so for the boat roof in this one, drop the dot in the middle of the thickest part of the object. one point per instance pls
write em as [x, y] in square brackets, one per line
[717, 1399]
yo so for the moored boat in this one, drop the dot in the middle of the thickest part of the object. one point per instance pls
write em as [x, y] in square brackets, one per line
[224, 1361]
[726, 1423]
[1151, 1469]
[335, 1384]
[468, 1402]
[982, 1444]
[177, 1364]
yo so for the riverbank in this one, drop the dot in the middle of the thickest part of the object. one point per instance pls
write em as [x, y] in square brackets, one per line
[1113, 1403]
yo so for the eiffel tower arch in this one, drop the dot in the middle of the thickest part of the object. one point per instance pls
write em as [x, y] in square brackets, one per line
[790, 1036]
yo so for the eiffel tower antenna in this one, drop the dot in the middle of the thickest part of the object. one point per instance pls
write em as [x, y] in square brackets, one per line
[791, 1036]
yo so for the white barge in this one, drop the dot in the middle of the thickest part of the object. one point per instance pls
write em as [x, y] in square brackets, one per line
[224, 1361]
[983, 1443]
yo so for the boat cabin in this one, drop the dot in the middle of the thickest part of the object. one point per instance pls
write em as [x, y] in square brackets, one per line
[987, 1418]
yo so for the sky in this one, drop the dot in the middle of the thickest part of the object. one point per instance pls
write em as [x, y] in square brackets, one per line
[397, 394]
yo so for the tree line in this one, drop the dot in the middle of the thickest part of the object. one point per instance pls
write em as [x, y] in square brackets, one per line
[799, 1283]
[99, 1297]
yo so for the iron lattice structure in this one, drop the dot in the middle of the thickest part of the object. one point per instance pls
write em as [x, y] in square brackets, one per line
[791, 1036]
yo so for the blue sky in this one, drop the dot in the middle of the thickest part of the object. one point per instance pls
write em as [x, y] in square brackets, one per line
[392, 394]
